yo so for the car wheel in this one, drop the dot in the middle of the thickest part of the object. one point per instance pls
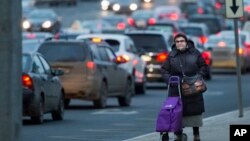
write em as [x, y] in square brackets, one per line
[39, 118]
[125, 100]
[59, 113]
[102, 101]
[66, 102]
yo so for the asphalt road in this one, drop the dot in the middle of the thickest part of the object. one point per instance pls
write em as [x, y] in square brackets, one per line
[84, 123]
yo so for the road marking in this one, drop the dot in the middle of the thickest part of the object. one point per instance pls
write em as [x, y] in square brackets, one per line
[114, 112]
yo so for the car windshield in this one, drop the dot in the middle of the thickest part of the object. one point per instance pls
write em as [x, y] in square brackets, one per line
[40, 14]
[63, 52]
[142, 14]
[149, 43]
[214, 41]
[212, 23]
[193, 31]
[113, 20]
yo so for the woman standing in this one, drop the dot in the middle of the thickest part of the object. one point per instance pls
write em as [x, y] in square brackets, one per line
[184, 57]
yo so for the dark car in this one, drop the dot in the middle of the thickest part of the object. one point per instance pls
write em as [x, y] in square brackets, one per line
[214, 23]
[91, 69]
[45, 20]
[198, 30]
[154, 48]
[125, 6]
[42, 90]
[118, 22]
[166, 26]
[142, 18]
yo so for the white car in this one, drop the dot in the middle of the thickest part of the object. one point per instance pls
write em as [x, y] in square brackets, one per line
[124, 46]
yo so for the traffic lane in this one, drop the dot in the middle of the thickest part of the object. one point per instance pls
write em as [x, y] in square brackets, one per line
[83, 122]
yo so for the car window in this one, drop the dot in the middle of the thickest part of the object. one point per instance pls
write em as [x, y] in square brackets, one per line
[111, 55]
[213, 23]
[114, 44]
[166, 28]
[95, 53]
[64, 52]
[45, 65]
[130, 47]
[25, 62]
[149, 43]
[37, 66]
[103, 54]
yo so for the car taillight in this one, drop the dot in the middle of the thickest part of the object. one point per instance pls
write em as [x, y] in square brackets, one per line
[125, 58]
[27, 81]
[57, 36]
[217, 5]
[90, 65]
[221, 44]
[31, 36]
[241, 51]
[162, 57]
[203, 39]
[131, 21]
[173, 16]
[247, 44]
[151, 21]
[200, 10]
[121, 26]
[206, 55]
[247, 9]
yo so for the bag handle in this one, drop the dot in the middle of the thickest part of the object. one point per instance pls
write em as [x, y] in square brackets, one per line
[174, 80]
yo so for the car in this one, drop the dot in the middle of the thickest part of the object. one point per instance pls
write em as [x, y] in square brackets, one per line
[42, 20]
[199, 30]
[169, 12]
[31, 45]
[154, 47]
[92, 71]
[224, 53]
[214, 23]
[57, 2]
[124, 46]
[125, 6]
[166, 26]
[94, 26]
[118, 22]
[142, 18]
[41, 88]
[247, 10]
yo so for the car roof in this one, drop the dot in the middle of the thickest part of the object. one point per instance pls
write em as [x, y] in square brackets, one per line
[145, 32]
[111, 36]
[193, 25]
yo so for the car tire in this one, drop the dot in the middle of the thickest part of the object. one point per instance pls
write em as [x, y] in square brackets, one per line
[125, 99]
[102, 101]
[39, 118]
[59, 113]
[66, 103]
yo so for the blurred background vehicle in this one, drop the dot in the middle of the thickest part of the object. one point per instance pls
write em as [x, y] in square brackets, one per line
[45, 20]
[57, 2]
[199, 30]
[125, 6]
[42, 89]
[154, 47]
[168, 12]
[39, 36]
[123, 46]
[118, 22]
[224, 53]
[140, 19]
[91, 69]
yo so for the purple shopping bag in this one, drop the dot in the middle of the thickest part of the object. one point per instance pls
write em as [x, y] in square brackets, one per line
[170, 116]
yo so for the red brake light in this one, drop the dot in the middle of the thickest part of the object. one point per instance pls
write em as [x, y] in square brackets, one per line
[162, 57]
[247, 44]
[247, 9]
[173, 16]
[151, 21]
[121, 26]
[27, 81]
[90, 65]
[31, 36]
[131, 21]
[57, 36]
[200, 10]
[221, 44]
[203, 39]
[217, 5]
[206, 55]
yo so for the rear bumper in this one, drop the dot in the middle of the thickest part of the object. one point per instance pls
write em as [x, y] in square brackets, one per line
[29, 103]
[153, 73]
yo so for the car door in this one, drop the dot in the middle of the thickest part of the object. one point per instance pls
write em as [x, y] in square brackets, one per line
[110, 69]
[53, 81]
[38, 69]
[118, 74]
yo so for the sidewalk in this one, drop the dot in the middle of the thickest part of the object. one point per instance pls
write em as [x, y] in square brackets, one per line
[215, 128]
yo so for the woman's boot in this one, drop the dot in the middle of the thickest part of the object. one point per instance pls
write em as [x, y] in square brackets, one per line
[164, 137]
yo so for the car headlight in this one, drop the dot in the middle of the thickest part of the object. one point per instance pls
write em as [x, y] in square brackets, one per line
[105, 3]
[133, 6]
[47, 24]
[146, 58]
[26, 24]
[116, 7]
[147, 1]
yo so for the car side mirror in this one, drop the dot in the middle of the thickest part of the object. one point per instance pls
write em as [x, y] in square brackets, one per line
[57, 72]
